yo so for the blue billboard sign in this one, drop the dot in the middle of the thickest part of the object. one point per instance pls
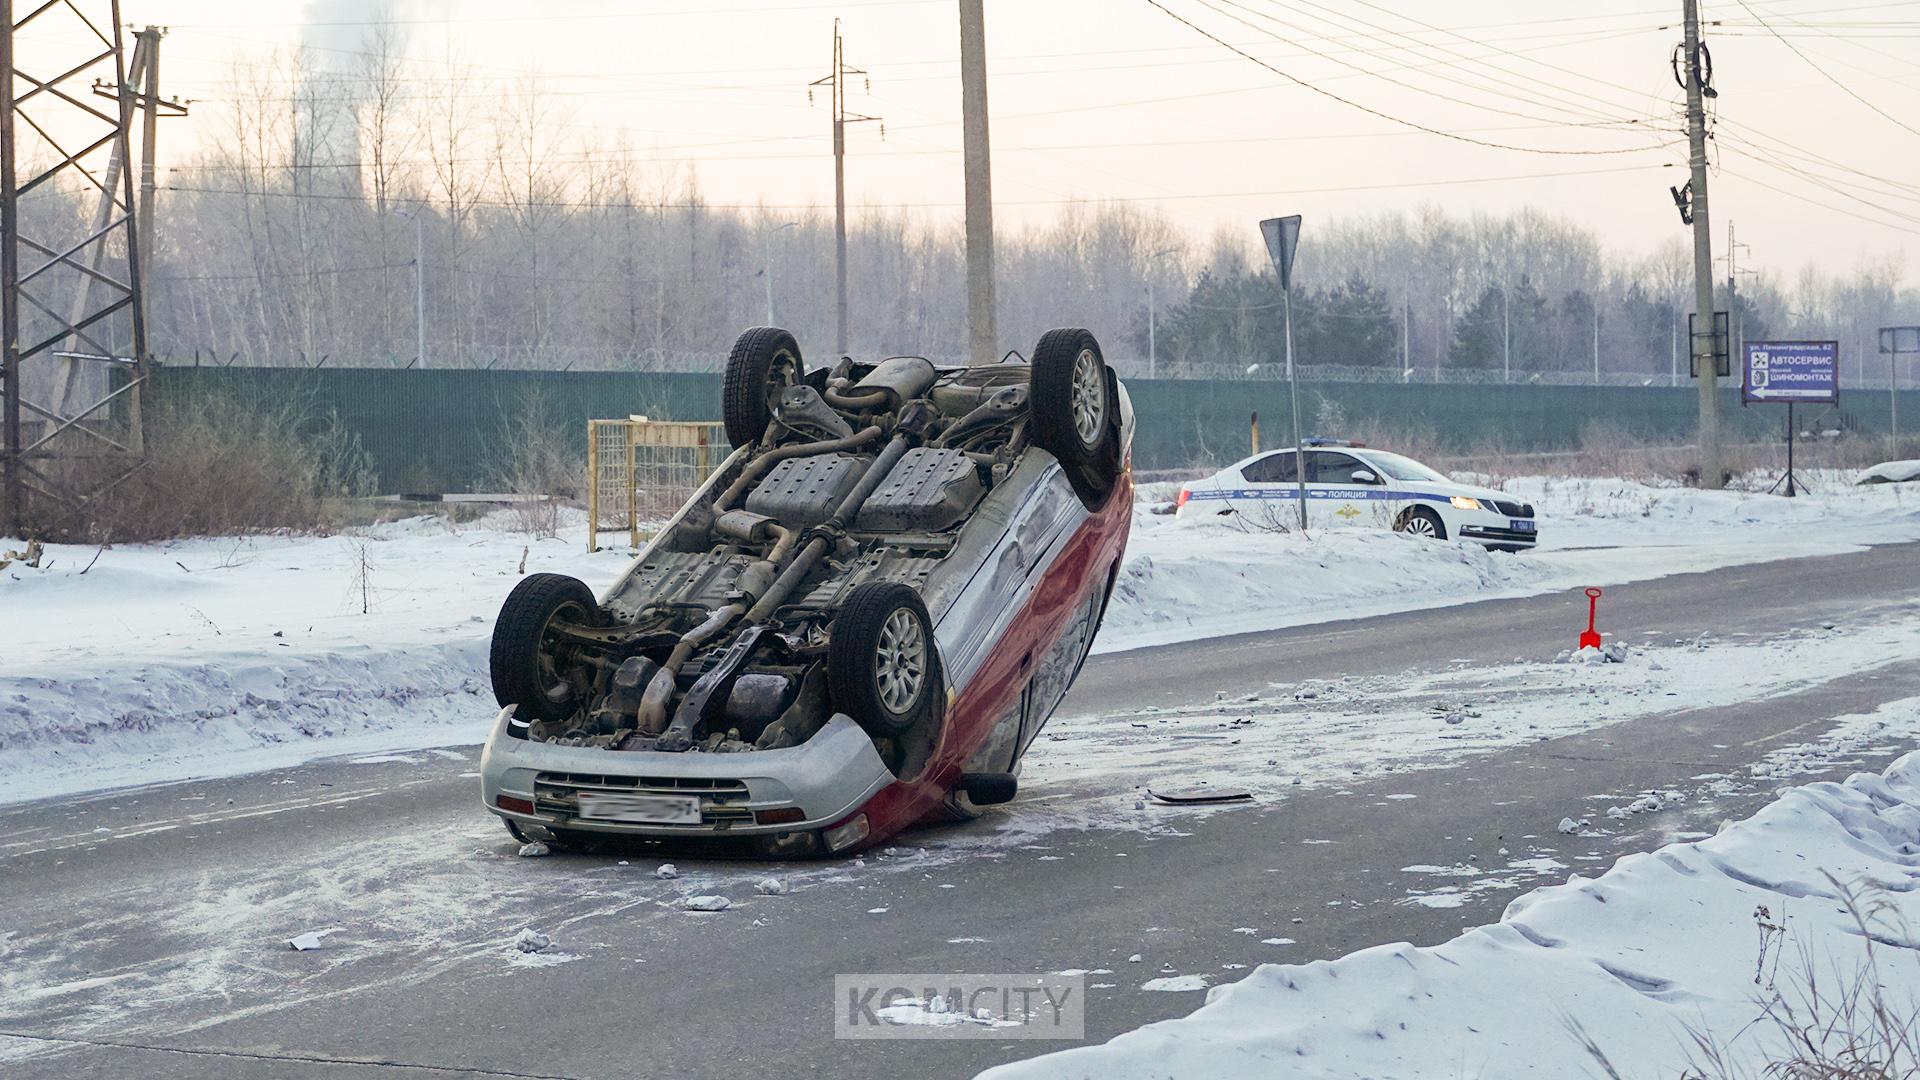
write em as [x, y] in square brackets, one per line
[1791, 371]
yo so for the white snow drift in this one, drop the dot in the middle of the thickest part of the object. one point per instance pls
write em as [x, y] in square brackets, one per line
[1690, 941]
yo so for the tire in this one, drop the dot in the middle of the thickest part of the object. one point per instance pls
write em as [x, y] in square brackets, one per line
[1422, 522]
[1069, 394]
[523, 671]
[882, 667]
[764, 361]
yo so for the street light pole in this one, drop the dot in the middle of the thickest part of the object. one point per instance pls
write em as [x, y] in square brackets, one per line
[419, 284]
[1153, 352]
[766, 259]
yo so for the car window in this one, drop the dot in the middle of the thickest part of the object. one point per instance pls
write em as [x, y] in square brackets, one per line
[1275, 468]
[1402, 468]
[1332, 467]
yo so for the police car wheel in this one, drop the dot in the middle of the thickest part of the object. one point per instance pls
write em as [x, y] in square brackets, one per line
[1423, 523]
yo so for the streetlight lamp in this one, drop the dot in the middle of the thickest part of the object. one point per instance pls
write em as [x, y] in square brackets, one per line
[419, 283]
[1153, 354]
[766, 259]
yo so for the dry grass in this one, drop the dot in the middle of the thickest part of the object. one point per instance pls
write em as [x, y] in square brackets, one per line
[215, 465]
[541, 464]
[1837, 1020]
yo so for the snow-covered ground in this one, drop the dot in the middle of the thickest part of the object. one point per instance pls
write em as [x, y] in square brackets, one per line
[200, 658]
[1720, 956]
[1189, 578]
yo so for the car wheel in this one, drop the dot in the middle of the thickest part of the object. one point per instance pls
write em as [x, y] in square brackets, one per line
[1423, 523]
[882, 669]
[765, 360]
[524, 669]
[1072, 407]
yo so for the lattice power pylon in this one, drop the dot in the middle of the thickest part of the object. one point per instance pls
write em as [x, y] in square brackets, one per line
[75, 355]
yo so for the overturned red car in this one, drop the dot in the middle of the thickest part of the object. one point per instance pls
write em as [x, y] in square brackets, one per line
[858, 623]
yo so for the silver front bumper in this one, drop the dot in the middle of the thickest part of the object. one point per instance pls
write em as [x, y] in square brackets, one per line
[827, 777]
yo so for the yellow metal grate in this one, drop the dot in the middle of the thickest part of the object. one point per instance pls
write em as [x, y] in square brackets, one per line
[640, 471]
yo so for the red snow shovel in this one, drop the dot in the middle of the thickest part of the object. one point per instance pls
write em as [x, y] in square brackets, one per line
[1591, 637]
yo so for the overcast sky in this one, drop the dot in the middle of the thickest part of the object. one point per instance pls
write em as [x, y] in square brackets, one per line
[1116, 99]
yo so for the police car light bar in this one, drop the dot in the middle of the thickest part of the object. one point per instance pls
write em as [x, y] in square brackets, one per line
[1354, 443]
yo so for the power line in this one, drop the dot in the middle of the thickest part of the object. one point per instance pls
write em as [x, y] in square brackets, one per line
[1823, 71]
[1369, 110]
[1586, 116]
[1092, 200]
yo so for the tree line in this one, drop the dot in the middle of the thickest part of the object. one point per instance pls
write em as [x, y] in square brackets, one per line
[290, 238]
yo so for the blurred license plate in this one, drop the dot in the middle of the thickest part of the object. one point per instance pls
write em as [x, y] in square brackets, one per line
[1521, 526]
[649, 809]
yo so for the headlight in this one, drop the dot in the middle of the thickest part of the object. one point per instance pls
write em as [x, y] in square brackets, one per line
[1461, 502]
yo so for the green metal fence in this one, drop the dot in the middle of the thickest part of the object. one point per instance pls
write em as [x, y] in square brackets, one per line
[445, 431]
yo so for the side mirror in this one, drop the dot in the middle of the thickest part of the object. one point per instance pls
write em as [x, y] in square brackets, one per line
[1362, 476]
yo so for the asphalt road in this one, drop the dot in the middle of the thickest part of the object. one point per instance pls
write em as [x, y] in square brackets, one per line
[142, 934]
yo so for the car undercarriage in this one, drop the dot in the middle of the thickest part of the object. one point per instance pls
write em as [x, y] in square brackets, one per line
[865, 505]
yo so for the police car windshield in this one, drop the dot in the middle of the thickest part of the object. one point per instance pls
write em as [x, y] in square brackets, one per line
[1402, 468]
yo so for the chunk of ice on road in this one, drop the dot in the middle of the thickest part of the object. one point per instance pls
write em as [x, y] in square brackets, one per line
[1176, 983]
[1569, 826]
[530, 941]
[705, 903]
[772, 886]
[1276, 941]
[666, 871]
[534, 850]
[1135, 958]
[312, 939]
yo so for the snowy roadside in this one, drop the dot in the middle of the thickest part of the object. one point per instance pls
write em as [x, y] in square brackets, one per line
[219, 656]
[1191, 578]
[1706, 943]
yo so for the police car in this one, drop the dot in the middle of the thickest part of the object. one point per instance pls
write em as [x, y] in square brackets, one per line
[1348, 483]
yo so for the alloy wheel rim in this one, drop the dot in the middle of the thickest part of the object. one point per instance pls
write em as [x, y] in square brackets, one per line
[900, 667]
[1089, 397]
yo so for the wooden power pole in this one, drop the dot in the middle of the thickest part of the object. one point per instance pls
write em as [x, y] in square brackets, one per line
[837, 83]
[982, 340]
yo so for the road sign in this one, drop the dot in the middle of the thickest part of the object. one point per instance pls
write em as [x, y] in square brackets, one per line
[1283, 236]
[1793, 371]
[1722, 351]
[1900, 339]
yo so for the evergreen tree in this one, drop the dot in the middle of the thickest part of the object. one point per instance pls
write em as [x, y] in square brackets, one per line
[1352, 324]
[1479, 335]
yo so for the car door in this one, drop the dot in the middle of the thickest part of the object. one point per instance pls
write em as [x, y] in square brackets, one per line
[1342, 490]
[1268, 489]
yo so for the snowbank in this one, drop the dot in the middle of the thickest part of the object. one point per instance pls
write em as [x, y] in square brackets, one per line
[214, 657]
[1892, 472]
[1661, 948]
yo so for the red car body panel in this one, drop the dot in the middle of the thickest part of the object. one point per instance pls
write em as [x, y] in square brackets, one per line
[1087, 561]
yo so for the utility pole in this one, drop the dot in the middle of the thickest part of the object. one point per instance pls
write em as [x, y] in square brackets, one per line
[1701, 345]
[837, 81]
[982, 340]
